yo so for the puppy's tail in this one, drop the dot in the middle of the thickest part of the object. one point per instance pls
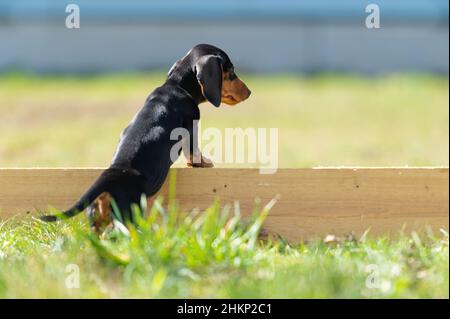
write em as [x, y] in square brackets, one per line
[102, 184]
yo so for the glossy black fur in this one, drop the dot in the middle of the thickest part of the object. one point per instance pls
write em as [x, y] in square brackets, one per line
[142, 159]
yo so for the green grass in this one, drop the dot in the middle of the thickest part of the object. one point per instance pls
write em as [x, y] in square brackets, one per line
[213, 254]
[324, 120]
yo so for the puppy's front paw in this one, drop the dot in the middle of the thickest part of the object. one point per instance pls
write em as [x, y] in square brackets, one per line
[206, 162]
[200, 161]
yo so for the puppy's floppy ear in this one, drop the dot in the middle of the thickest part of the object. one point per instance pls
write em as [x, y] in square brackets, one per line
[208, 70]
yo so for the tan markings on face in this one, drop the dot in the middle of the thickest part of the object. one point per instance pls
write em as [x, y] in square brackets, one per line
[102, 215]
[233, 91]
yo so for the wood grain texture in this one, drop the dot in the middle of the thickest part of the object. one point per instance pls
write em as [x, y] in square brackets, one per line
[312, 202]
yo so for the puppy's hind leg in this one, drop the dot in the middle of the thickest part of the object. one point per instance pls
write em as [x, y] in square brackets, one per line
[100, 214]
[126, 189]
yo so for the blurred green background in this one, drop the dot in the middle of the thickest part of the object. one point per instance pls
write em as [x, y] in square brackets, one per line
[323, 120]
[340, 92]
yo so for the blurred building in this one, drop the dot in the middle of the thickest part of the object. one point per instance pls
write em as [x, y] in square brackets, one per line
[261, 36]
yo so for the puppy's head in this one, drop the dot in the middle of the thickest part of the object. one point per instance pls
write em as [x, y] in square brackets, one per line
[216, 75]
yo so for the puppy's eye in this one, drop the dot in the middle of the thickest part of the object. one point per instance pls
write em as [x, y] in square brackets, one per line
[231, 74]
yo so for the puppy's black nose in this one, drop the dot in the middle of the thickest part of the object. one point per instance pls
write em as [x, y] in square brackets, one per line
[249, 93]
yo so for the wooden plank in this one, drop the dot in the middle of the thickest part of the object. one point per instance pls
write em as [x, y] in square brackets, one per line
[313, 202]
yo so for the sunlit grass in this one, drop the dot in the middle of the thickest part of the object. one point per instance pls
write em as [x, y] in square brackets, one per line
[213, 254]
[324, 120]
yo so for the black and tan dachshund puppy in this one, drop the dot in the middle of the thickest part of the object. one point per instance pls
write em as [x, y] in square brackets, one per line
[143, 157]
